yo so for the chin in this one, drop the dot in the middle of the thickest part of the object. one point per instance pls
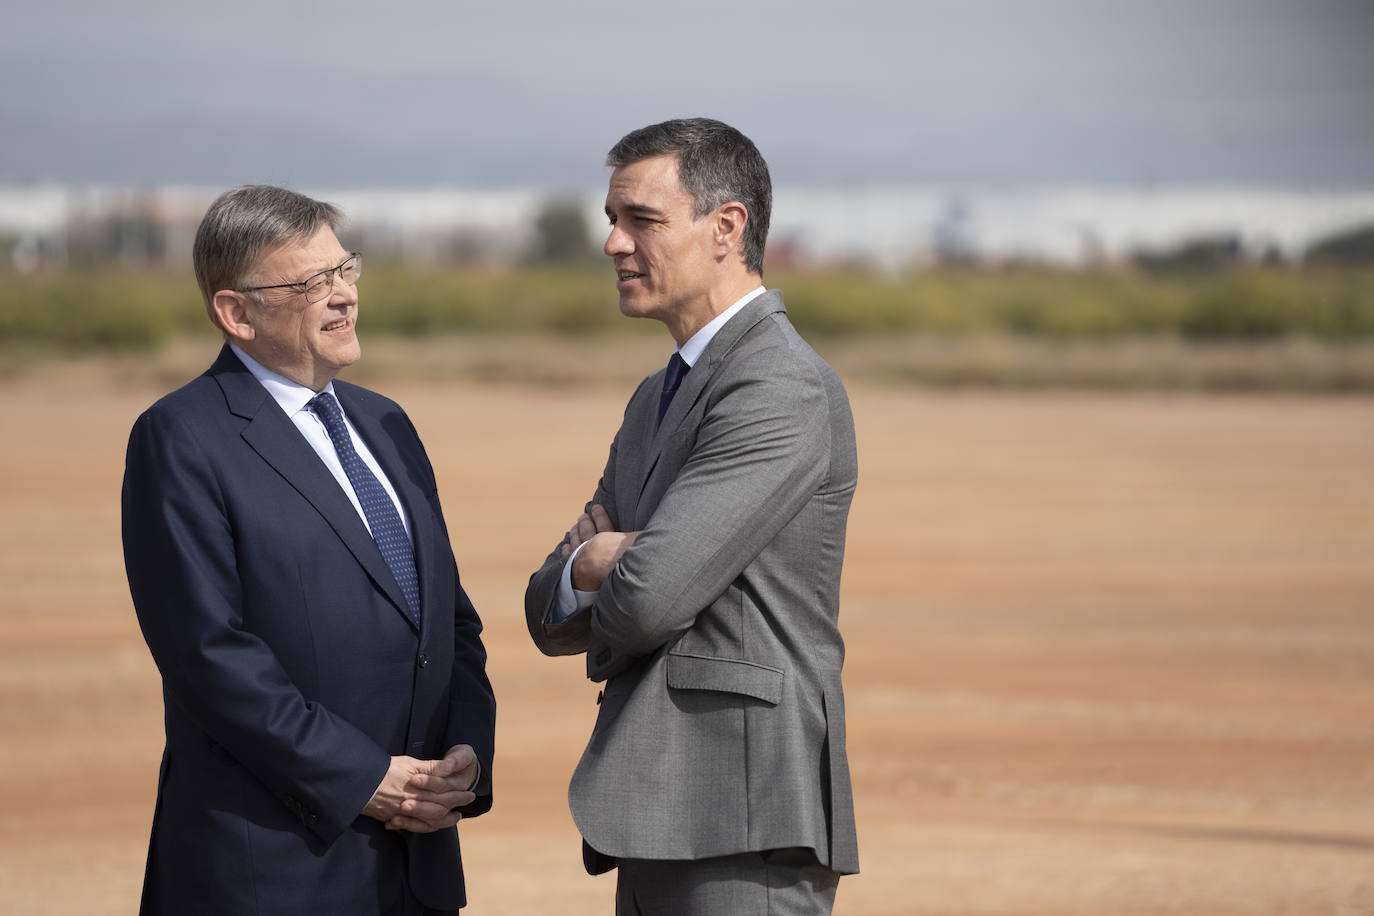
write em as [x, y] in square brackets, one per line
[347, 356]
[631, 308]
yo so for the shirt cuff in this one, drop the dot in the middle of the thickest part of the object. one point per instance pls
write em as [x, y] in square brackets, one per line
[570, 600]
[476, 779]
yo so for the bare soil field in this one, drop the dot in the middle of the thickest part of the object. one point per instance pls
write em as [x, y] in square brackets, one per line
[1108, 654]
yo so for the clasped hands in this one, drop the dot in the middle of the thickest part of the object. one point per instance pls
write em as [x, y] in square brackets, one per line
[604, 547]
[422, 795]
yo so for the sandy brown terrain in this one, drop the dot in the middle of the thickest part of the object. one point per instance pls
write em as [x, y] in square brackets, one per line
[1108, 654]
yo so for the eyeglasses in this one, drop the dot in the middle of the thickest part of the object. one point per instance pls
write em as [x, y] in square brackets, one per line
[321, 285]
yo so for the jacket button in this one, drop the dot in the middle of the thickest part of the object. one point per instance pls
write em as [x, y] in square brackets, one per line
[422, 660]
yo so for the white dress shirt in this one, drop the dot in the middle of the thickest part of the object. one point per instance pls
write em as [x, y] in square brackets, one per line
[571, 600]
[292, 398]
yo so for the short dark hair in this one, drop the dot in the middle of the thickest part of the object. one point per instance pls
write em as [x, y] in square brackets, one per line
[716, 164]
[243, 224]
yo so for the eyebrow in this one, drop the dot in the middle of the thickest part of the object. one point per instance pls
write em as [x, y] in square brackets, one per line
[335, 266]
[640, 209]
[313, 273]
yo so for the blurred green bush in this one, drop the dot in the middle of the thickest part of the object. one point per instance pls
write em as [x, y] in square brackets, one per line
[109, 307]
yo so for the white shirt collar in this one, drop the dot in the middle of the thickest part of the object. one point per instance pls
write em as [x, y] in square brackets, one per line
[292, 396]
[691, 351]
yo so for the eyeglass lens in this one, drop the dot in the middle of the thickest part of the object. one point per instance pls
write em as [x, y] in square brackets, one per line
[322, 284]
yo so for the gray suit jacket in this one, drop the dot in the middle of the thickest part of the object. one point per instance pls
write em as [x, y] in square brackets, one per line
[722, 725]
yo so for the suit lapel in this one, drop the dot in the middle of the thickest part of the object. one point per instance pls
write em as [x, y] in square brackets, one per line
[275, 438]
[695, 382]
[648, 408]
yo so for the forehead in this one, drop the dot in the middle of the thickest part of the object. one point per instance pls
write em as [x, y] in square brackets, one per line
[294, 259]
[649, 182]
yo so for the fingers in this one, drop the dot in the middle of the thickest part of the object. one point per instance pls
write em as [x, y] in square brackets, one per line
[455, 770]
[442, 793]
[443, 768]
[461, 756]
[433, 809]
[588, 524]
[428, 788]
[415, 825]
[585, 527]
[430, 774]
[591, 567]
[432, 813]
[577, 533]
[600, 519]
[421, 795]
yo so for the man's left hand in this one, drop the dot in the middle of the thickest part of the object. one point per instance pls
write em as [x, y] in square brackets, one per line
[438, 793]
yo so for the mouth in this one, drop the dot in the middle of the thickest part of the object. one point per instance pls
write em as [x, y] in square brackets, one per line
[624, 275]
[336, 325]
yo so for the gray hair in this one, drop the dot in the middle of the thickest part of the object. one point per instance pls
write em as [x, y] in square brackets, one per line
[716, 164]
[244, 224]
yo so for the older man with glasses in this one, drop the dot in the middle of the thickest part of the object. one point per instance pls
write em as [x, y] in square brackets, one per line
[328, 715]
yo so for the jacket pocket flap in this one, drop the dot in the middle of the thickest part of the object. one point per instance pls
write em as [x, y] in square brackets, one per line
[702, 672]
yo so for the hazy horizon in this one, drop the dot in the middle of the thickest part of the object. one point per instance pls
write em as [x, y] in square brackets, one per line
[418, 93]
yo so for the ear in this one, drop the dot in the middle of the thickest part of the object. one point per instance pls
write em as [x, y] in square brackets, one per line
[730, 219]
[234, 313]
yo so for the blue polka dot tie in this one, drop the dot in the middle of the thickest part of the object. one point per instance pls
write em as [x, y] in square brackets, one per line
[677, 368]
[381, 513]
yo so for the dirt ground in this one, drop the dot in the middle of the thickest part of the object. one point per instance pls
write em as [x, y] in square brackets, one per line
[1108, 654]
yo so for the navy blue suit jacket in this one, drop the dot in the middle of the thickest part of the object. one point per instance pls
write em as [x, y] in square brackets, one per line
[291, 672]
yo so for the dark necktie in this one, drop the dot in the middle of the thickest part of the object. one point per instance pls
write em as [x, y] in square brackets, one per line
[677, 368]
[381, 513]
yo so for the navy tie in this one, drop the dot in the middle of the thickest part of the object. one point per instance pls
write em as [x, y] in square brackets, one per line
[677, 368]
[381, 513]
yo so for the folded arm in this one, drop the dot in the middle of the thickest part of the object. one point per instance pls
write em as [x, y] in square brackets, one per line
[555, 630]
[761, 452]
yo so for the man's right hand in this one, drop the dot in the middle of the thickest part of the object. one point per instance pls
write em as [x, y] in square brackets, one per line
[428, 811]
[604, 546]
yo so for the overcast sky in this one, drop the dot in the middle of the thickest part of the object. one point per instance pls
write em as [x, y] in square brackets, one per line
[414, 93]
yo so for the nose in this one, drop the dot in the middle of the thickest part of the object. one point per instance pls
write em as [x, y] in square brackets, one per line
[617, 243]
[343, 294]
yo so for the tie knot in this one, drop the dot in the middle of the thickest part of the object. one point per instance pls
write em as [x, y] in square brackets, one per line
[326, 407]
[677, 368]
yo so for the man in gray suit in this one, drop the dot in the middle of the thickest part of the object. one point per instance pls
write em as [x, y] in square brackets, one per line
[702, 579]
